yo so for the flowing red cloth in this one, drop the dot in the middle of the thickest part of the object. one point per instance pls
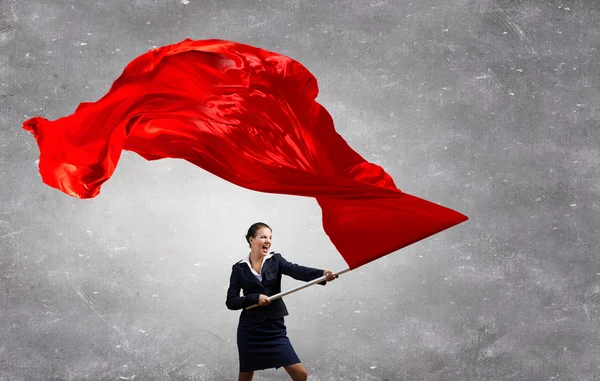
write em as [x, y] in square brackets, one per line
[250, 117]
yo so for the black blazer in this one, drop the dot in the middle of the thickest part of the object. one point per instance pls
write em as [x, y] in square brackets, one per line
[242, 278]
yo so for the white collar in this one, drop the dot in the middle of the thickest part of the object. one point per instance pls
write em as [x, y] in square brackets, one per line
[247, 261]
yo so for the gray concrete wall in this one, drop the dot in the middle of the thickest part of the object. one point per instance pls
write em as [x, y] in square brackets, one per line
[489, 107]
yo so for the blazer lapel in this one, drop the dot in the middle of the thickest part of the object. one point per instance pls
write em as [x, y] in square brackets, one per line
[249, 275]
[268, 267]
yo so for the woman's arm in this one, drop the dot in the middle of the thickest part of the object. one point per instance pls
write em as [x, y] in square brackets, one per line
[234, 300]
[300, 272]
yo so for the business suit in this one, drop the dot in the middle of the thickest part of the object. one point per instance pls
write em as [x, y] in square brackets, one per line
[261, 336]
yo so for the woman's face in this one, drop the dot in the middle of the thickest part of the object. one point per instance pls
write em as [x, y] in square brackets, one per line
[261, 243]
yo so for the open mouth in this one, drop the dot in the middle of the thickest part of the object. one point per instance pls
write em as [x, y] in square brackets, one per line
[265, 249]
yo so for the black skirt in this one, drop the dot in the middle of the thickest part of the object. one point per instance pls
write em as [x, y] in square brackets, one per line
[264, 345]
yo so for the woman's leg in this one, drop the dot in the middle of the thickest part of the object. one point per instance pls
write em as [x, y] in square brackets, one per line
[246, 376]
[297, 372]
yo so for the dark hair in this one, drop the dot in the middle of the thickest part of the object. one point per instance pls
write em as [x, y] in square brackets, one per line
[254, 229]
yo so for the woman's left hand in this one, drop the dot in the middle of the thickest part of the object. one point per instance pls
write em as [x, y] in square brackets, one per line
[330, 275]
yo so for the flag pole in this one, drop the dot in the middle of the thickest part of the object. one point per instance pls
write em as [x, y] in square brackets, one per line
[307, 284]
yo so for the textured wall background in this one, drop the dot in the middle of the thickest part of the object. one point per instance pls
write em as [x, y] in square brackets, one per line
[489, 107]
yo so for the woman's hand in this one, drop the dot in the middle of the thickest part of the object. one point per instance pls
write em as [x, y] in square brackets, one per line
[330, 275]
[263, 300]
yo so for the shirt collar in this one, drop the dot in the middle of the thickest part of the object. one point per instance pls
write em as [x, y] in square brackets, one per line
[247, 261]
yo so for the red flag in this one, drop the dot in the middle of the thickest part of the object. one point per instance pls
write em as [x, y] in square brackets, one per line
[250, 117]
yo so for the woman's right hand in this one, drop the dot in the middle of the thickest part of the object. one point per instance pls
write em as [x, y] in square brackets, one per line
[263, 300]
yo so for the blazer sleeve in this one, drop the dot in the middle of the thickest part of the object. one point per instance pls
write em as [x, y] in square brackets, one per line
[300, 272]
[234, 300]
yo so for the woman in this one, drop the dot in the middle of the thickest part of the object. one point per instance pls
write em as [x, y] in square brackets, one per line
[261, 336]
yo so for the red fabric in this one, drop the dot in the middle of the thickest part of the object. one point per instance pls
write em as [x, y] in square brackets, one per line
[250, 117]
